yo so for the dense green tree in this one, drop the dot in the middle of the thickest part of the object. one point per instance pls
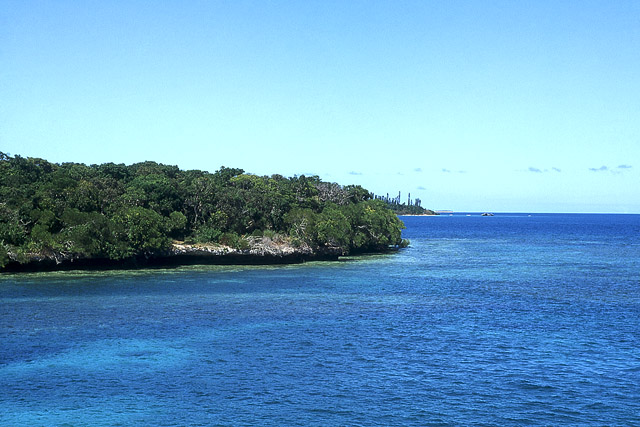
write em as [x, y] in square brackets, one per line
[177, 224]
[116, 211]
[13, 229]
[333, 227]
[145, 231]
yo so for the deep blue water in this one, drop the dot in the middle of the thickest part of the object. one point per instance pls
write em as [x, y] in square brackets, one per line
[505, 320]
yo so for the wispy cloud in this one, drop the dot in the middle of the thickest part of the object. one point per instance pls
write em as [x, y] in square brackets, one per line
[600, 169]
[616, 170]
[355, 173]
[538, 170]
[417, 170]
[446, 170]
[420, 187]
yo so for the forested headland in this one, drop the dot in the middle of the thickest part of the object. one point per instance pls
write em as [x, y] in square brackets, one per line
[411, 207]
[71, 212]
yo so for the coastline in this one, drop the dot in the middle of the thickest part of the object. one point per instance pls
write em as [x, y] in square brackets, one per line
[261, 251]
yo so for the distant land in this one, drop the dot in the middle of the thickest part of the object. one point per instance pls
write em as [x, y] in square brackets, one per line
[411, 207]
[70, 215]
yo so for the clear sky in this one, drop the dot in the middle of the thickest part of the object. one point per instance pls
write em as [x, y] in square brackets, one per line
[529, 106]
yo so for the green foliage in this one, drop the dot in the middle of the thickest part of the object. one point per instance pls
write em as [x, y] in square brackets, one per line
[405, 209]
[177, 224]
[41, 238]
[156, 192]
[144, 230]
[301, 224]
[333, 228]
[232, 240]
[4, 256]
[116, 211]
[92, 235]
[13, 230]
[243, 244]
[357, 194]
[207, 234]
[269, 234]
[374, 226]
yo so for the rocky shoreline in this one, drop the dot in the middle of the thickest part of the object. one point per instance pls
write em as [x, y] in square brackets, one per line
[260, 251]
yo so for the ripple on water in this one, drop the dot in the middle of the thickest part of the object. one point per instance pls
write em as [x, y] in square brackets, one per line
[478, 322]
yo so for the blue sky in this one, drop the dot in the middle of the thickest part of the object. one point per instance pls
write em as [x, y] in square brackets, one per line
[529, 106]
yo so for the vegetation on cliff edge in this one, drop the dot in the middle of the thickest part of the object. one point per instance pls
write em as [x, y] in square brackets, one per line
[114, 211]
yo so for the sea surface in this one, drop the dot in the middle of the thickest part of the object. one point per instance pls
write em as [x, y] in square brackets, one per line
[497, 321]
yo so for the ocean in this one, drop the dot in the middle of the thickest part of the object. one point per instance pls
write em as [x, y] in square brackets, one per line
[507, 320]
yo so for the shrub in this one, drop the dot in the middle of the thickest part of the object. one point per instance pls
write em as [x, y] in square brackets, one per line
[269, 233]
[233, 240]
[230, 239]
[243, 244]
[206, 234]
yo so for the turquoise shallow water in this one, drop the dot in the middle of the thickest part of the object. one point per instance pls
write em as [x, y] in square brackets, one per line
[505, 320]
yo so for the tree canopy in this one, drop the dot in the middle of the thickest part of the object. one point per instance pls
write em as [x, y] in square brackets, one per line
[115, 211]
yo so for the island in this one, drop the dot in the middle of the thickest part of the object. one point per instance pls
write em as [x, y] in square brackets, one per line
[76, 216]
